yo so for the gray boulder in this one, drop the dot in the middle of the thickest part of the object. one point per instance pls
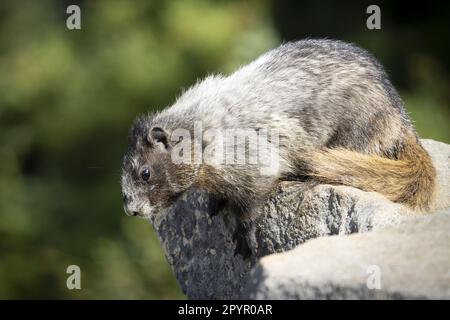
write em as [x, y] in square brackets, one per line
[200, 246]
[408, 261]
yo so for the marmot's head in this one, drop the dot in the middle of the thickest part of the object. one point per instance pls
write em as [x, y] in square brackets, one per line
[150, 179]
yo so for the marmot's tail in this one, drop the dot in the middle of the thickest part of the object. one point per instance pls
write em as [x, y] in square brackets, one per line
[409, 180]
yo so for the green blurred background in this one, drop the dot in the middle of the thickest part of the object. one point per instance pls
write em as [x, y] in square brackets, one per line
[68, 98]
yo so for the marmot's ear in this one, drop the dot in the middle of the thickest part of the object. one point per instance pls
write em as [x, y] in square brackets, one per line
[159, 138]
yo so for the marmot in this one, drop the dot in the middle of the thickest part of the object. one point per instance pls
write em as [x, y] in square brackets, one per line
[338, 118]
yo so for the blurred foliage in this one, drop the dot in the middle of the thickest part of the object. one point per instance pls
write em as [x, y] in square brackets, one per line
[68, 98]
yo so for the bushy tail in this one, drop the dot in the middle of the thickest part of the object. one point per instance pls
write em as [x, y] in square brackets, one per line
[409, 180]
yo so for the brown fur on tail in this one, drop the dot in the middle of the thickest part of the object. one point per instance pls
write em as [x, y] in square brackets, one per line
[409, 180]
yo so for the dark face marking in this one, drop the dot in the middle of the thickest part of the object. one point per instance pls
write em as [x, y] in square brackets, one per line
[150, 180]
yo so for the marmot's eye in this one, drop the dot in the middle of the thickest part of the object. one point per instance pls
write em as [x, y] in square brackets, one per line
[145, 174]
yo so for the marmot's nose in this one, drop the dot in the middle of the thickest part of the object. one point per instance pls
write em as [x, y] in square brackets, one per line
[126, 206]
[129, 212]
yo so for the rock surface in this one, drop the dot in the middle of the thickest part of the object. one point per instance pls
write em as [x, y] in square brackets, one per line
[408, 261]
[200, 247]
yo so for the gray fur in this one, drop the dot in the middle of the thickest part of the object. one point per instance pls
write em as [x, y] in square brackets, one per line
[315, 93]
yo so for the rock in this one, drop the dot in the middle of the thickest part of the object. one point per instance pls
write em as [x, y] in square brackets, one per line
[200, 247]
[440, 154]
[297, 213]
[411, 261]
